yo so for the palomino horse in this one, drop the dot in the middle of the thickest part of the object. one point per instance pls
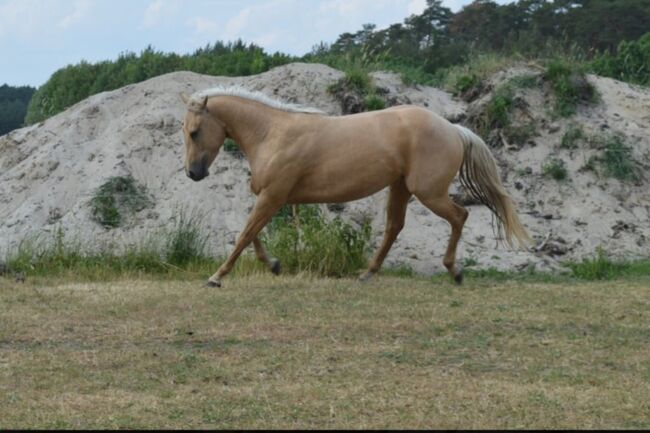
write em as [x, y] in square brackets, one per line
[300, 155]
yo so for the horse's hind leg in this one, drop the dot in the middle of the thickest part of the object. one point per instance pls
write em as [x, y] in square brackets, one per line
[395, 213]
[272, 263]
[445, 208]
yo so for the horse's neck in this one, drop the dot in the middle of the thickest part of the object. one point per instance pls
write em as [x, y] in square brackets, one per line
[247, 122]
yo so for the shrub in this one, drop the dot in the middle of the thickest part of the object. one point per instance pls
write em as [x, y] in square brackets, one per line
[465, 82]
[570, 87]
[117, 195]
[309, 243]
[631, 62]
[556, 169]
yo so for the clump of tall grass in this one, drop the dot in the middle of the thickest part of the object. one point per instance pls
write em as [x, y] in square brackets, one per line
[556, 169]
[357, 82]
[475, 71]
[618, 160]
[615, 158]
[186, 241]
[307, 242]
[569, 85]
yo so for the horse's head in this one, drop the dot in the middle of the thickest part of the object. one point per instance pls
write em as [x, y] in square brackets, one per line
[204, 135]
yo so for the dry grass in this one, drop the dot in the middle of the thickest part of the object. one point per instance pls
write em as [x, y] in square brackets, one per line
[301, 352]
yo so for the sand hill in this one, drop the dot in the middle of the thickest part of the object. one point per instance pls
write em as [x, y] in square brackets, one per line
[50, 171]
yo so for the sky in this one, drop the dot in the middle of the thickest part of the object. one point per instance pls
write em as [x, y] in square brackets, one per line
[37, 37]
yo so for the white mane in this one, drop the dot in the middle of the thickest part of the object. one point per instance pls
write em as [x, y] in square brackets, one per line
[254, 96]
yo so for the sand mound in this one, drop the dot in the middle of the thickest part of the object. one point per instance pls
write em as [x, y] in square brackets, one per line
[50, 171]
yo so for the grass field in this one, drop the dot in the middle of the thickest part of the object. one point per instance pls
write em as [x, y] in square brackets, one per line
[306, 352]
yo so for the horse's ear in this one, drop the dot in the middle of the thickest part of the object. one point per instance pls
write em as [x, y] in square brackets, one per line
[204, 103]
[184, 98]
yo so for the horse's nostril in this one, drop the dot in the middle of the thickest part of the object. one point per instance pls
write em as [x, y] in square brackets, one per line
[192, 175]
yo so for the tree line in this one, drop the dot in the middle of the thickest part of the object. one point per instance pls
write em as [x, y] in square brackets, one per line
[13, 106]
[606, 33]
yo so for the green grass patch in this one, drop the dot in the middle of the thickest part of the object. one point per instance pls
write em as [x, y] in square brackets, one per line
[572, 136]
[116, 198]
[569, 85]
[556, 169]
[601, 267]
[617, 159]
[374, 102]
[357, 82]
[231, 146]
[186, 241]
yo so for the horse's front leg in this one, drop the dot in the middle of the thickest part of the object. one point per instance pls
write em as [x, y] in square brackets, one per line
[266, 205]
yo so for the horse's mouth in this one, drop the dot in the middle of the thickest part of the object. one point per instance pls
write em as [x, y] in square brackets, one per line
[197, 175]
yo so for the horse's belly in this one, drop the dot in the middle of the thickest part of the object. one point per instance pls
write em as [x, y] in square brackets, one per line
[336, 186]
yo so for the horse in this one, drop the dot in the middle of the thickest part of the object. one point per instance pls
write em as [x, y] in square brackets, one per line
[301, 155]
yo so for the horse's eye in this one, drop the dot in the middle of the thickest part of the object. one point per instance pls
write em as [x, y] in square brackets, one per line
[194, 134]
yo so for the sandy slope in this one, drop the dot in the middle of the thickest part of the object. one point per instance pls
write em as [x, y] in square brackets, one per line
[49, 171]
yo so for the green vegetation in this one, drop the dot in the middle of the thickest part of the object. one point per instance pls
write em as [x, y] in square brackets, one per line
[630, 62]
[117, 197]
[73, 83]
[616, 158]
[572, 135]
[231, 146]
[497, 111]
[13, 106]
[186, 242]
[306, 242]
[374, 102]
[602, 267]
[570, 86]
[556, 169]
[357, 92]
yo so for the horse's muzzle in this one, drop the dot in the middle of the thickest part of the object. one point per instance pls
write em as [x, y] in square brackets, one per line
[197, 172]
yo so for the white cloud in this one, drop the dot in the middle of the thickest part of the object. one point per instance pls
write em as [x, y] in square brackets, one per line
[157, 11]
[81, 8]
[239, 22]
[416, 7]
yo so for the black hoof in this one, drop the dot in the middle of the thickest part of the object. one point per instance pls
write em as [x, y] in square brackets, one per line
[459, 278]
[212, 284]
[275, 267]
